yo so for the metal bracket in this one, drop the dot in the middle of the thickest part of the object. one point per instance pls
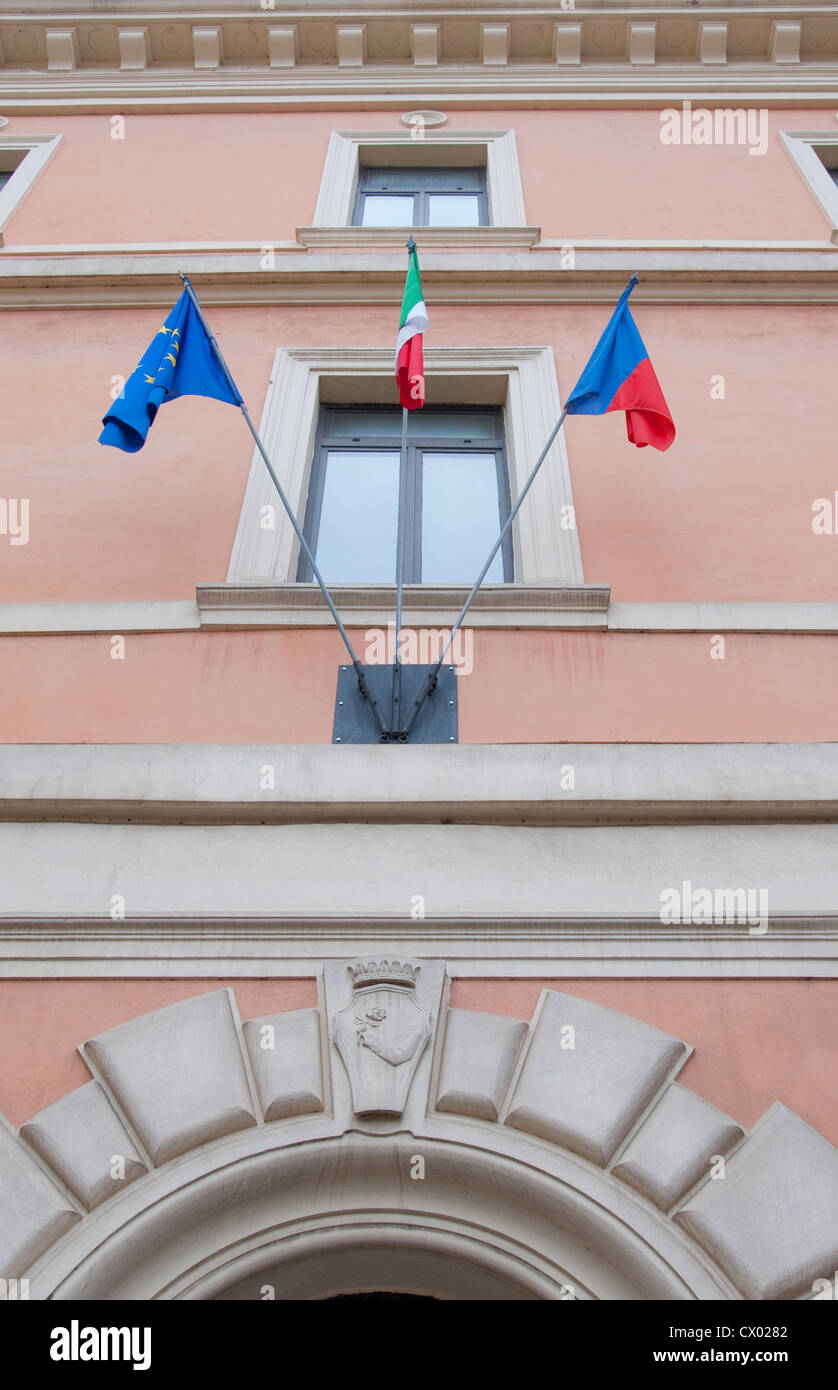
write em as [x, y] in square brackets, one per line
[395, 690]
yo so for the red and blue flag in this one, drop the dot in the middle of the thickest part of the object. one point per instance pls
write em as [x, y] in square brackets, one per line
[619, 376]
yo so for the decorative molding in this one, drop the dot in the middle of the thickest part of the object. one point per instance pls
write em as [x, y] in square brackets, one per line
[627, 947]
[465, 237]
[613, 1156]
[425, 45]
[646, 53]
[568, 43]
[134, 51]
[785, 42]
[712, 42]
[259, 604]
[62, 49]
[524, 378]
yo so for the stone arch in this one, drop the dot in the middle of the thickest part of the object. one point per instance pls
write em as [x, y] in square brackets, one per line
[552, 1159]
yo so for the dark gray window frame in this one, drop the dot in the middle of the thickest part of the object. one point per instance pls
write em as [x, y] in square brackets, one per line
[328, 440]
[421, 182]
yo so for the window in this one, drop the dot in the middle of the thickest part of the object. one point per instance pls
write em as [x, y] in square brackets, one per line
[518, 380]
[465, 167]
[421, 197]
[5, 175]
[456, 496]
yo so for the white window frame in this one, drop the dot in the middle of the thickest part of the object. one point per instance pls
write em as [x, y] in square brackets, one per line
[546, 546]
[336, 199]
[39, 150]
[802, 146]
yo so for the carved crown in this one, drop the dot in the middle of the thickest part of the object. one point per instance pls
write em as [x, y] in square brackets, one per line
[379, 972]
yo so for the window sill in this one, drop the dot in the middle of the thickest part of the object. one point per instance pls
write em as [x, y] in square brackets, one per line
[267, 604]
[367, 237]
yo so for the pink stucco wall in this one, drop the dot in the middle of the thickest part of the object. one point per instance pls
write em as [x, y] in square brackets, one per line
[279, 687]
[255, 177]
[725, 515]
[756, 1041]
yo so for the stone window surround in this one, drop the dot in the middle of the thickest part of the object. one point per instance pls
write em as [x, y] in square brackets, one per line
[521, 378]
[347, 149]
[806, 149]
[37, 152]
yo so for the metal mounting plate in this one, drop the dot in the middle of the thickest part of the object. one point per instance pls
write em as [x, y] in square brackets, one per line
[437, 720]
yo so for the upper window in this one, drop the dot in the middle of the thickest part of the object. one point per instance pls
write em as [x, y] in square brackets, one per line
[421, 197]
[456, 496]
[5, 175]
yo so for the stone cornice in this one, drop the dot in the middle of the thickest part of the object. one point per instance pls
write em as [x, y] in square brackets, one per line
[717, 275]
[512, 784]
[126, 57]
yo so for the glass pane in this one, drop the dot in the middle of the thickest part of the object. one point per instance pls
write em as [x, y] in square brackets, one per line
[366, 424]
[453, 210]
[387, 210]
[356, 543]
[4, 177]
[454, 426]
[460, 518]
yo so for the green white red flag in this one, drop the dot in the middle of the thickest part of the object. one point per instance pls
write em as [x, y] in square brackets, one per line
[410, 371]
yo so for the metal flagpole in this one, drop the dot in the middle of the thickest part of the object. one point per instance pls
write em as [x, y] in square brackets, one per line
[306, 548]
[430, 682]
[400, 547]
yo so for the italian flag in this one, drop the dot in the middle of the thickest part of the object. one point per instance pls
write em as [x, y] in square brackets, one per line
[410, 371]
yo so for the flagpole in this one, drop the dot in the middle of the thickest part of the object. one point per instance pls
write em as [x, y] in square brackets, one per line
[400, 548]
[306, 548]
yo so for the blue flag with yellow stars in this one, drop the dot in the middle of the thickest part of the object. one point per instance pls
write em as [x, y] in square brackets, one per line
[179, 361]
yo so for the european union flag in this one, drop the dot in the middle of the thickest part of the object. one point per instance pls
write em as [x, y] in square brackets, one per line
[179, 361]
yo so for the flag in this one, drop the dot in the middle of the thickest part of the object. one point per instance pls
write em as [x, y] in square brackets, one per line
[179, 361]
[410, 371]
[619, 376]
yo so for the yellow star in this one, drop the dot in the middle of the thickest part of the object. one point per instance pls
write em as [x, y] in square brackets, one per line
[164, 329]
[170, 357]
[149, 378]
[175, 332]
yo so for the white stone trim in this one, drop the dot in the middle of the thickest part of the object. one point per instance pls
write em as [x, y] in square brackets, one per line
[340, 172]
[667, 784]
[614, 1157]
[39, 151]
[523, 377]
[247, 604]
[493, 947]
[472, 238]
[451, 275]
[802, 147]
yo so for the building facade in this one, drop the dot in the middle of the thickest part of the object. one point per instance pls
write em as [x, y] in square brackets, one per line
[544, 1008]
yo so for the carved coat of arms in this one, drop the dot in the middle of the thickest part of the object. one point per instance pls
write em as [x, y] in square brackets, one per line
[381, 1035]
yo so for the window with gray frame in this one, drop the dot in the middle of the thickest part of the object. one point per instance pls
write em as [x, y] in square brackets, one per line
[5, 175]
[421, 198]
[456, 493]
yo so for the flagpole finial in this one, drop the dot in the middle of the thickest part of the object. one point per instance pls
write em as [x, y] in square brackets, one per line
[411, 244]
